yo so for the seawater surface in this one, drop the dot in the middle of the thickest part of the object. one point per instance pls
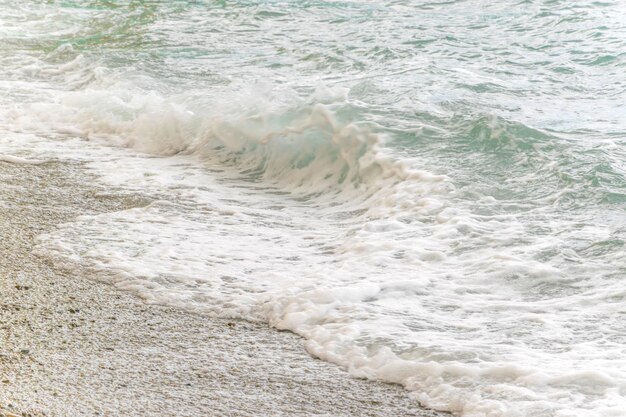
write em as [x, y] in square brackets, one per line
[431, 193]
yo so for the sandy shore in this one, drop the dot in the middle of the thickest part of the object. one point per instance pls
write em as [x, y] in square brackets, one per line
[70, 346]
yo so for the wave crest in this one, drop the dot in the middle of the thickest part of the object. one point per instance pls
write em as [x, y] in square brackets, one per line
[311, 145]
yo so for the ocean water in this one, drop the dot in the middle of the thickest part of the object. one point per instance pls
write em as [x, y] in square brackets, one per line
[430, 193]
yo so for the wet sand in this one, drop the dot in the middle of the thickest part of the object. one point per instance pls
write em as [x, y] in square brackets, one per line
[72, 346]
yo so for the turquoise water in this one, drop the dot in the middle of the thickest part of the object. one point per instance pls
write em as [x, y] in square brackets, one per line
[430, 193]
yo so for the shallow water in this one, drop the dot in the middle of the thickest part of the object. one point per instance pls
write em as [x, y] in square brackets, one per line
[430, 193]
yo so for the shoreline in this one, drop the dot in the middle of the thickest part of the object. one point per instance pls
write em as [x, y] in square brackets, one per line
[72, 346]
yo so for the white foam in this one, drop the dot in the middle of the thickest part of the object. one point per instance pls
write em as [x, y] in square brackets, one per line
[17, 160]
[442, 324]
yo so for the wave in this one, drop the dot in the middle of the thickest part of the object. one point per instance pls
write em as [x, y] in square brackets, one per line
[311, 145]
